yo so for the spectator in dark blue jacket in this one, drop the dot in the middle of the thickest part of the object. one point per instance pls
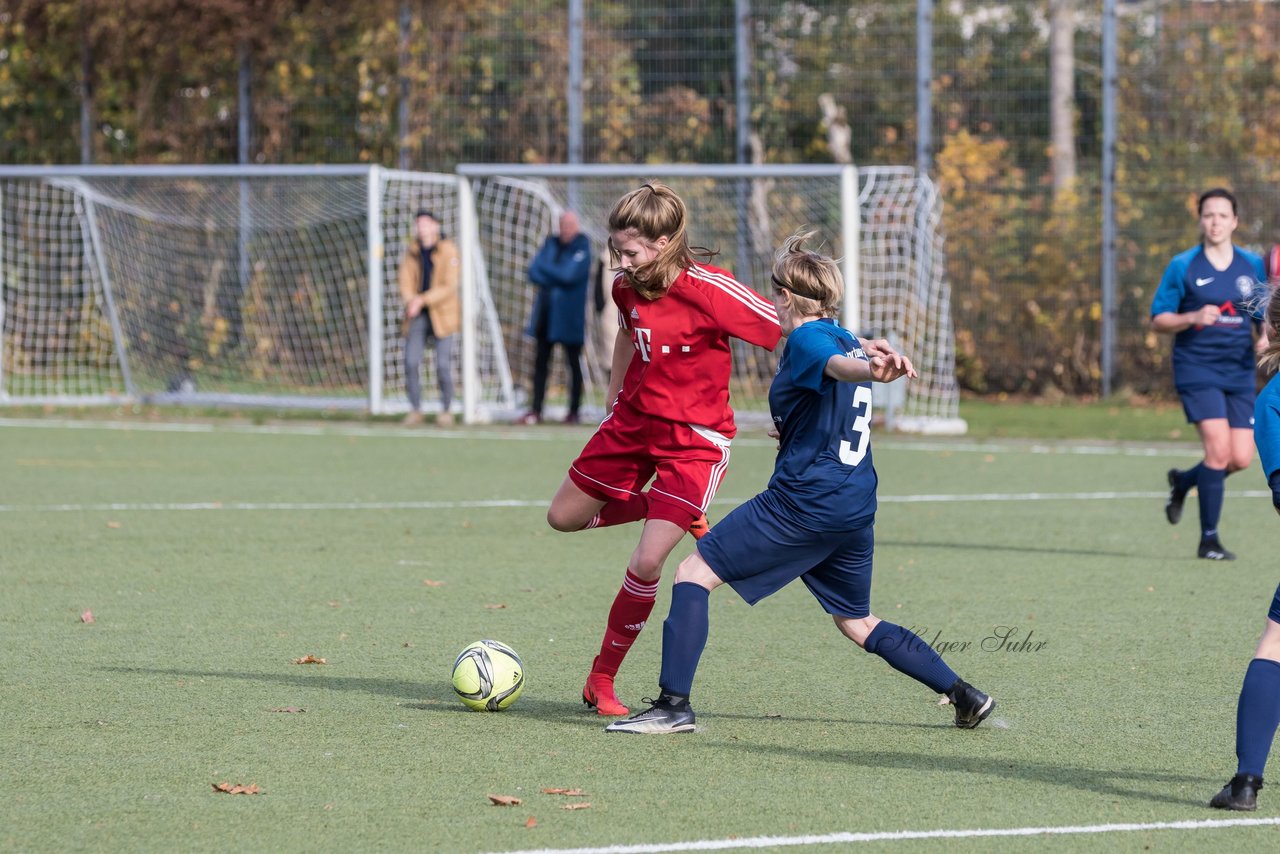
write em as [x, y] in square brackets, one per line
[560, 271]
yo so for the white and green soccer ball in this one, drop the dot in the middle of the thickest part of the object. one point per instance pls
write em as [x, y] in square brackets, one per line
[488, 676]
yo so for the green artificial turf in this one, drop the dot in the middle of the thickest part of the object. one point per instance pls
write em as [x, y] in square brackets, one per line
[1111, 419]
[213, 556]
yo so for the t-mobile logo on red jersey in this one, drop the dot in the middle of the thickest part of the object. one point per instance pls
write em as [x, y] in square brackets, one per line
[642, 337]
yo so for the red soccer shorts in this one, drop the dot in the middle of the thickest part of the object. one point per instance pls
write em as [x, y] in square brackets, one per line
[687, 464]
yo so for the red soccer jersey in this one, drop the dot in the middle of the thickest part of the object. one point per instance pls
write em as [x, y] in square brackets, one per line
[680, 370]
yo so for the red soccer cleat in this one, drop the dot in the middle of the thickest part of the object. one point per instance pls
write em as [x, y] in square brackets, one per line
[598, 694]
[700, 527]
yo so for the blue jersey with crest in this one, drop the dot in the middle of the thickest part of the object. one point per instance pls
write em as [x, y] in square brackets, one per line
[1221, 355]
[824, 469]
[1266, 427]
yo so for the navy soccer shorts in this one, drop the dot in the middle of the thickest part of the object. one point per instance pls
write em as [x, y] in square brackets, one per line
[1236, 406]
[761, 547]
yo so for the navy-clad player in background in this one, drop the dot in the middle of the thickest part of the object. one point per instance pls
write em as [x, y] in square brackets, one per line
[1258, 710]
[1202, 301]
[815, 520]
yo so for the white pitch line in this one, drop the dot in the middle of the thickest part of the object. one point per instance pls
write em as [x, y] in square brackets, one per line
[499, 503]
[270, 505]
[1046, 496]
[390, 431]
[900, 835]
[497, 432]
[1037, 447]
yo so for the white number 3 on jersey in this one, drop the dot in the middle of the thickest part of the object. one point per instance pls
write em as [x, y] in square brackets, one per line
[849, 454]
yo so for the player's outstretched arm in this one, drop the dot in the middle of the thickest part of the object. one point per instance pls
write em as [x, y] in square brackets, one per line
[880, 369]
[885, 365]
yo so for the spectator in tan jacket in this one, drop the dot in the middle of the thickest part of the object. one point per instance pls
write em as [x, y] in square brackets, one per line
[429, 290]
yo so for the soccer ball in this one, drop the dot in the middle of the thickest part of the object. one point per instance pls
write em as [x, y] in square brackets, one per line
[488, 676]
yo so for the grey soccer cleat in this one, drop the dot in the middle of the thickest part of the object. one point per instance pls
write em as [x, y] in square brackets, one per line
[1241, 793]
[662, 717]
[972, 706]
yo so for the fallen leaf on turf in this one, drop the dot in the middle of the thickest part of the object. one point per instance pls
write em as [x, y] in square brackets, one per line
[309, 659]
[504, 800]
[237, 789]
[530, 822]
[430, 583]
[581, 805]
[293, 710]
[113, 524]
[86, 617]
[495, 607]
[576, 793]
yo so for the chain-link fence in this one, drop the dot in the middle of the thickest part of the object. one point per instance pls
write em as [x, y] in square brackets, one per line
[427, 84]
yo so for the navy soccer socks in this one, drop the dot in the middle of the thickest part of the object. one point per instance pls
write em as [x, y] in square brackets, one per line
[908, 653]
[1257, 715]
[1211, 484]
[684, 636]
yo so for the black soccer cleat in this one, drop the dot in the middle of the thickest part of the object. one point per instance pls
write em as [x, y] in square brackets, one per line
[972, 706]
[661, 718]
[1241, 794]
[1173, 504]
[1213, 550]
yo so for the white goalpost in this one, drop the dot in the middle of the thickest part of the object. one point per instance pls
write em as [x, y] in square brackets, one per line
[883, 223]
[277, 285]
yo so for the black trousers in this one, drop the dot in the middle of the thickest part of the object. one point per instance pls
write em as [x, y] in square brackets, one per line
[542, 369]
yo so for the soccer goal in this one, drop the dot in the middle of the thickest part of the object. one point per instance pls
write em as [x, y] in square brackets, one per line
[220, 286]
[881, 222]
[276, 285]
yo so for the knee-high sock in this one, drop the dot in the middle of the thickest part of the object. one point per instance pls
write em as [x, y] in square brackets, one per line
[1257, 715]
[908, 653]
[1189, 477]
[631, 608]
[1211, 487]
[620, 511]
[684, 636]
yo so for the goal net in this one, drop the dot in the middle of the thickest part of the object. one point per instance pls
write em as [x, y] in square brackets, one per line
[217, 285]
[881, 222]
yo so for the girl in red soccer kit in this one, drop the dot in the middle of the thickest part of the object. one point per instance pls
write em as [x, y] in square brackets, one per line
[670, 421]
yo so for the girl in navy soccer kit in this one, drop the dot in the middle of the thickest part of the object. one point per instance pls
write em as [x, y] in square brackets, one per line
[1203, 302]
[1258, 710]
[815, 521]
[670, 421]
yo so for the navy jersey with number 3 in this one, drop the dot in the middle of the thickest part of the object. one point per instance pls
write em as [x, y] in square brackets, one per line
[824, 457]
